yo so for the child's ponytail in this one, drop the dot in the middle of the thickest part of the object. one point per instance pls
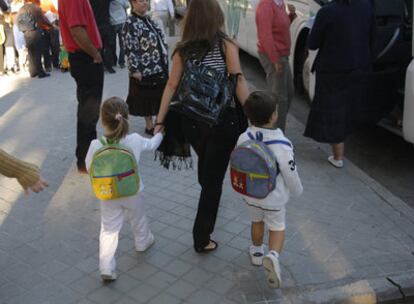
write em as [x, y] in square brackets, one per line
[114, 115]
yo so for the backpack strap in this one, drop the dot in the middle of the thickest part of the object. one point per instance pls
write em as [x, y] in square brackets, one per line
[259, 137]
[103, 141]
[278, 141]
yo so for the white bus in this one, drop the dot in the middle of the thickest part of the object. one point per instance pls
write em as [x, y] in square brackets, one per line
[392, 97]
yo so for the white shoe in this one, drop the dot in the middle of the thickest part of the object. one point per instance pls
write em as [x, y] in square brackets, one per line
[108, 276]
[146, 246]
[272, 270]
[335, 163]
[256, 257]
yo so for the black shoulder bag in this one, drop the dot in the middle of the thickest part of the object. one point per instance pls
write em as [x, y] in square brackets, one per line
[203, 93]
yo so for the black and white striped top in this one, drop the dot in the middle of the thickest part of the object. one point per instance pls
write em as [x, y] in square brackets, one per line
[214, 59]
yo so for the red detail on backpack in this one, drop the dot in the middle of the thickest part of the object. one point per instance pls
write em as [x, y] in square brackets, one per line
[238, 181]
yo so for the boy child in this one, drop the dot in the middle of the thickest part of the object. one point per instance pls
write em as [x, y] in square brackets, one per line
[261, 110]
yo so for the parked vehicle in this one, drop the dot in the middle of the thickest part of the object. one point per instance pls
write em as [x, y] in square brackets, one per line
[392, 84]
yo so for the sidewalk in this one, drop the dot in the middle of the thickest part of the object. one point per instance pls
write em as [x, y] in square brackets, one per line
[345, 236]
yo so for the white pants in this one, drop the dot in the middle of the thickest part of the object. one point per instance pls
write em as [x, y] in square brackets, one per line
[112, 217]
[10, 58]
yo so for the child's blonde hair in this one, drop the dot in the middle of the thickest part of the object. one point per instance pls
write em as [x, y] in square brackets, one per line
[114, 115]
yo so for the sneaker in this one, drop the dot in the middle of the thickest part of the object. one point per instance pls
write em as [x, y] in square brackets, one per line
[148, 245]
[335, 163]
[272, 270]
[256, 257]
[108, 276]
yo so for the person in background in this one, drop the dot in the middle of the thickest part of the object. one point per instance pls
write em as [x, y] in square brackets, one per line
[147, 54]
[31, 20]
[101, 11]
[163, 12]
[52, 46]
[343, 34]
[81, 39]
[118, 16]
[273, 42]
[19, 41]
[2, 41]
[9, 45]
[26, 174]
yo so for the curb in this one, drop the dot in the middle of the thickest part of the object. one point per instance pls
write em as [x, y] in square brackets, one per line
[397, 288]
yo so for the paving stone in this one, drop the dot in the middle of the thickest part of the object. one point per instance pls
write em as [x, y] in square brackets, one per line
[68, 276]
[181, 289]
[85, 285]
[164, 298]
[124, 284]
[143, 293]
[161, 280]
[204, 297]
[142, 271]
[198, 276]
[104, 295]
[10, 290]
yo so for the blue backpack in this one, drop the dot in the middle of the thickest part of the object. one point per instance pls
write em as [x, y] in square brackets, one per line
[253, 167]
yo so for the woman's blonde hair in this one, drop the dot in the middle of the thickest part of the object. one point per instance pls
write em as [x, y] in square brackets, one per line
[203, 22]
[114, 116]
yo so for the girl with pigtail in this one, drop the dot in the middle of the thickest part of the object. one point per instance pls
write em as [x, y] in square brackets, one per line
[114, 118]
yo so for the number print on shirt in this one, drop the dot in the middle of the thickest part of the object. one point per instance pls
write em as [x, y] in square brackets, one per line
[292, 164]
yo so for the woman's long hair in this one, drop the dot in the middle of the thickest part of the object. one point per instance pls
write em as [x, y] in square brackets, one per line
[203, 24]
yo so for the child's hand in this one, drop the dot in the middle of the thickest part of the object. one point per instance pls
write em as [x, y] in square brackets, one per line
[158, 129]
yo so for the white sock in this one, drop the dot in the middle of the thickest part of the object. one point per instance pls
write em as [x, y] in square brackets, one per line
[275, 253]
[254, 248]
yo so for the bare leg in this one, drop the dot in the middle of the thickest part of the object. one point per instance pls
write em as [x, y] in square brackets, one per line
[257, 233]
[338, 151]
[276, 240]
[148, 122]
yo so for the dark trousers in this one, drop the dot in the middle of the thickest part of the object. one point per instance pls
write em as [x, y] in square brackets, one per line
[213, 146]
[51, 48]
[118, 33]
[34, 47]
[47, 57]
[108, 42]
[89, 80]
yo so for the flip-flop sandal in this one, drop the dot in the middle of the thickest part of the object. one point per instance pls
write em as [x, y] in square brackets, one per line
[207, 249]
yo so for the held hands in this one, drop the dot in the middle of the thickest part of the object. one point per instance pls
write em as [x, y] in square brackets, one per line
[159, 128]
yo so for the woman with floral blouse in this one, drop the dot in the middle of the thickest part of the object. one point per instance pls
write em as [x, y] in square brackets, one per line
[147, 58]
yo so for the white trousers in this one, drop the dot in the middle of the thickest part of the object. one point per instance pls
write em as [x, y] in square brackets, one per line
[112, 217]
[10, 58]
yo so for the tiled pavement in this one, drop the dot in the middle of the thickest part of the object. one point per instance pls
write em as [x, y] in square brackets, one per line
[345, 228]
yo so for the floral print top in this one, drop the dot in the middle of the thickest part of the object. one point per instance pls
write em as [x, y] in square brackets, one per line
[145, 46]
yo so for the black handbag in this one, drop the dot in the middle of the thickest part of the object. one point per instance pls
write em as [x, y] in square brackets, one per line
[155, 80]
[203, 93]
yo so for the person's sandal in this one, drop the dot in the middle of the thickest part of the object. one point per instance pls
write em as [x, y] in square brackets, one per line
[207, 248]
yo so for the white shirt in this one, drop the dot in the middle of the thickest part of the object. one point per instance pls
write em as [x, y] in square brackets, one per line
[118, 11]
[135, 142]
[163, 5]
[287, 181]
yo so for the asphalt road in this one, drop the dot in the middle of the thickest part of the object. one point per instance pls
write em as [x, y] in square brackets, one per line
[383, 155]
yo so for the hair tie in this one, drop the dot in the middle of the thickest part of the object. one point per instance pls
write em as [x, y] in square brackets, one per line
[118, 116]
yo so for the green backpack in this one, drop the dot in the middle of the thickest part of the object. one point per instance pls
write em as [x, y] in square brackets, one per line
[114, 171]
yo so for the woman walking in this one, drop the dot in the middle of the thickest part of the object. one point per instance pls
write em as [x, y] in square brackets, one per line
[203, 39]
[343, 34]
[146, 50]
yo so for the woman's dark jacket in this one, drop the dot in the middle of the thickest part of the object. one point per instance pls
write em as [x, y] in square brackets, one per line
[142, 47]
[340, 33]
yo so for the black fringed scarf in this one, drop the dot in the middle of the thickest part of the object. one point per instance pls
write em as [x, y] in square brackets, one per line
[175, 150]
